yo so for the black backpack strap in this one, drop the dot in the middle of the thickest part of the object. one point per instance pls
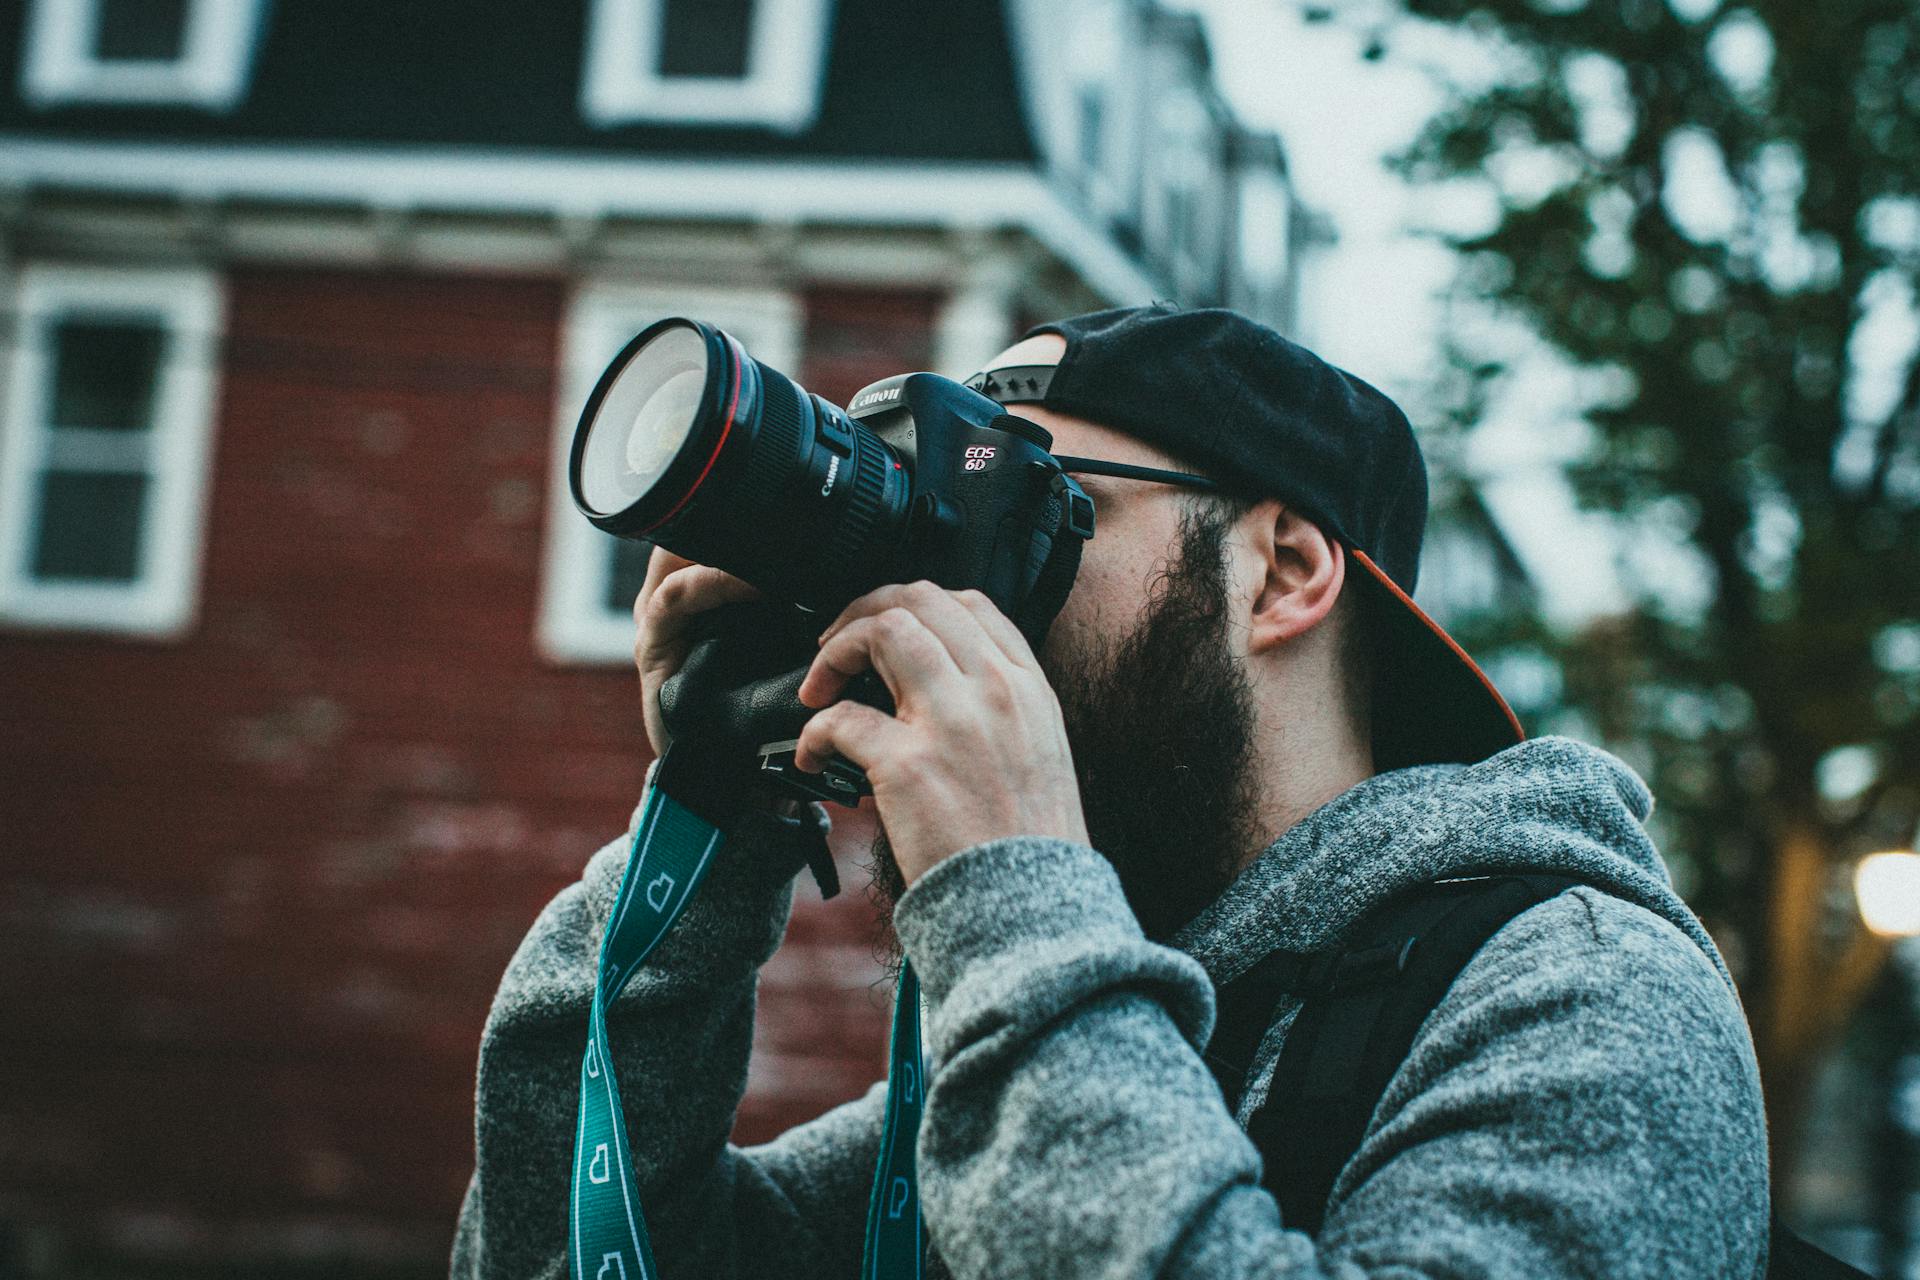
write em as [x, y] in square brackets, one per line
[1364, 1003]
[1243, 1012]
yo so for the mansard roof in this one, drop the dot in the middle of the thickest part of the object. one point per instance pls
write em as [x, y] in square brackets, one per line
[1094, 125]
[934, 82]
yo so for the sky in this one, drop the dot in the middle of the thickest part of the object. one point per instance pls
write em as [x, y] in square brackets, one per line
[1369, 302]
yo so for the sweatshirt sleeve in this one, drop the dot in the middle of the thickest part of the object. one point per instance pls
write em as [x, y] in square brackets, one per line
[681, 1034]
[1584, 1102]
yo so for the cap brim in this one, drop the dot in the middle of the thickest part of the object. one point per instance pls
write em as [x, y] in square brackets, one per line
[1432, 703]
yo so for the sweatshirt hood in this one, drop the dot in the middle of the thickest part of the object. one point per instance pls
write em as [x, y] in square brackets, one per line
[1548, 805]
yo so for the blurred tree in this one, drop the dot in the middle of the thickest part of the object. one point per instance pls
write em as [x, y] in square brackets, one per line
[1714, 213]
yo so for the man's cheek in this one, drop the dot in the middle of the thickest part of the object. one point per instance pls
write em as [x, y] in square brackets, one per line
[1071, 652]
[1078, 618]
[1057, 645]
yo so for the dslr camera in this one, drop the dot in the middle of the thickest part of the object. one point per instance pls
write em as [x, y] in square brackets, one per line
[689, 442]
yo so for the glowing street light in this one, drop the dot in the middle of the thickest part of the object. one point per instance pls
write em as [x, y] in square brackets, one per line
[1887, 887]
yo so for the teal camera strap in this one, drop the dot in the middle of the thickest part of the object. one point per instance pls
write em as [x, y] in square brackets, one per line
[673, 849]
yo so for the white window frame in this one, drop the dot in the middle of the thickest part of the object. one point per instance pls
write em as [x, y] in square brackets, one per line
[162, 598]
[60, 67]
[573, 626]
[786, 57]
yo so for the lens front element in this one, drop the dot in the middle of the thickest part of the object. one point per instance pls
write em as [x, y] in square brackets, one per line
[644, 420]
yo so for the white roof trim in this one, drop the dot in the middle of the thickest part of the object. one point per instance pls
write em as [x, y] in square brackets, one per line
[961, 196]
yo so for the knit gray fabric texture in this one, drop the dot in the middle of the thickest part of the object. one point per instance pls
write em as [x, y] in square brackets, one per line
[1584, 1101]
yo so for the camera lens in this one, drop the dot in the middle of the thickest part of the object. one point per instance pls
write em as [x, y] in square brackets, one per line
[689, 442]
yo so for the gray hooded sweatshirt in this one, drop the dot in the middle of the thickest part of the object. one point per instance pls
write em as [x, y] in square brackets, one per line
[1583, 1102]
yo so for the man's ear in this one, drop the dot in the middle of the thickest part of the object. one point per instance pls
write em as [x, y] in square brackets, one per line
[1303, 570]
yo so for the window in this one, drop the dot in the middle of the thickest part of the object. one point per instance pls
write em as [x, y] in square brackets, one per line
[1179, 227]
[104, 449]
[1265, 215]
[705, 62]
[707, 39]
[1091, 149]
[140, 30]
[590, 577]
[162, 52]
[1096, 141]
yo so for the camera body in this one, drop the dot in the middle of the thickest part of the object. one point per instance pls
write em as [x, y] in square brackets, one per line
[988, 501]
[689, 442]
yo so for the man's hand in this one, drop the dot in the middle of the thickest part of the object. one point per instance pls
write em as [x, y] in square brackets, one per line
[976, 749]
[676, 590]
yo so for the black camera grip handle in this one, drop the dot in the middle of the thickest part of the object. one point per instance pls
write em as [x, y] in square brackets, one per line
[839, 779]
[737, 697]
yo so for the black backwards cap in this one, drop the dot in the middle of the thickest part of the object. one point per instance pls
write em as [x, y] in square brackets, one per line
[1265, 417]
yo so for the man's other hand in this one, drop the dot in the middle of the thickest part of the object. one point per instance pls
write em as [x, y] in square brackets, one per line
[976, 749]
[676, 590]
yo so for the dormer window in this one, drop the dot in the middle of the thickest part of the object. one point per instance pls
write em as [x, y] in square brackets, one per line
[741, 62]
[140, 30]
[706, 39]
[191, 53]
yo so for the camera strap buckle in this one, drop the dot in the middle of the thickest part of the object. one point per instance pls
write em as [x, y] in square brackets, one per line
[838, 780]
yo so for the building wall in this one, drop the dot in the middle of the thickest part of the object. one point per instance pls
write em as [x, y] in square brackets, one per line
[259, 885]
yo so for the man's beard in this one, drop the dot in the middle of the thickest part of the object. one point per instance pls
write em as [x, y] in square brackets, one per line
[1161, 726]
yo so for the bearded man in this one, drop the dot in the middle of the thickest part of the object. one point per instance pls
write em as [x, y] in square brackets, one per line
[1239, 738]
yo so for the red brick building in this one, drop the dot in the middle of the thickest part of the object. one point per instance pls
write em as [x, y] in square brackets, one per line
[313, 686]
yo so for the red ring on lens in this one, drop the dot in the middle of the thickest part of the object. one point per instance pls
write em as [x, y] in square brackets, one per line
[739, 358]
